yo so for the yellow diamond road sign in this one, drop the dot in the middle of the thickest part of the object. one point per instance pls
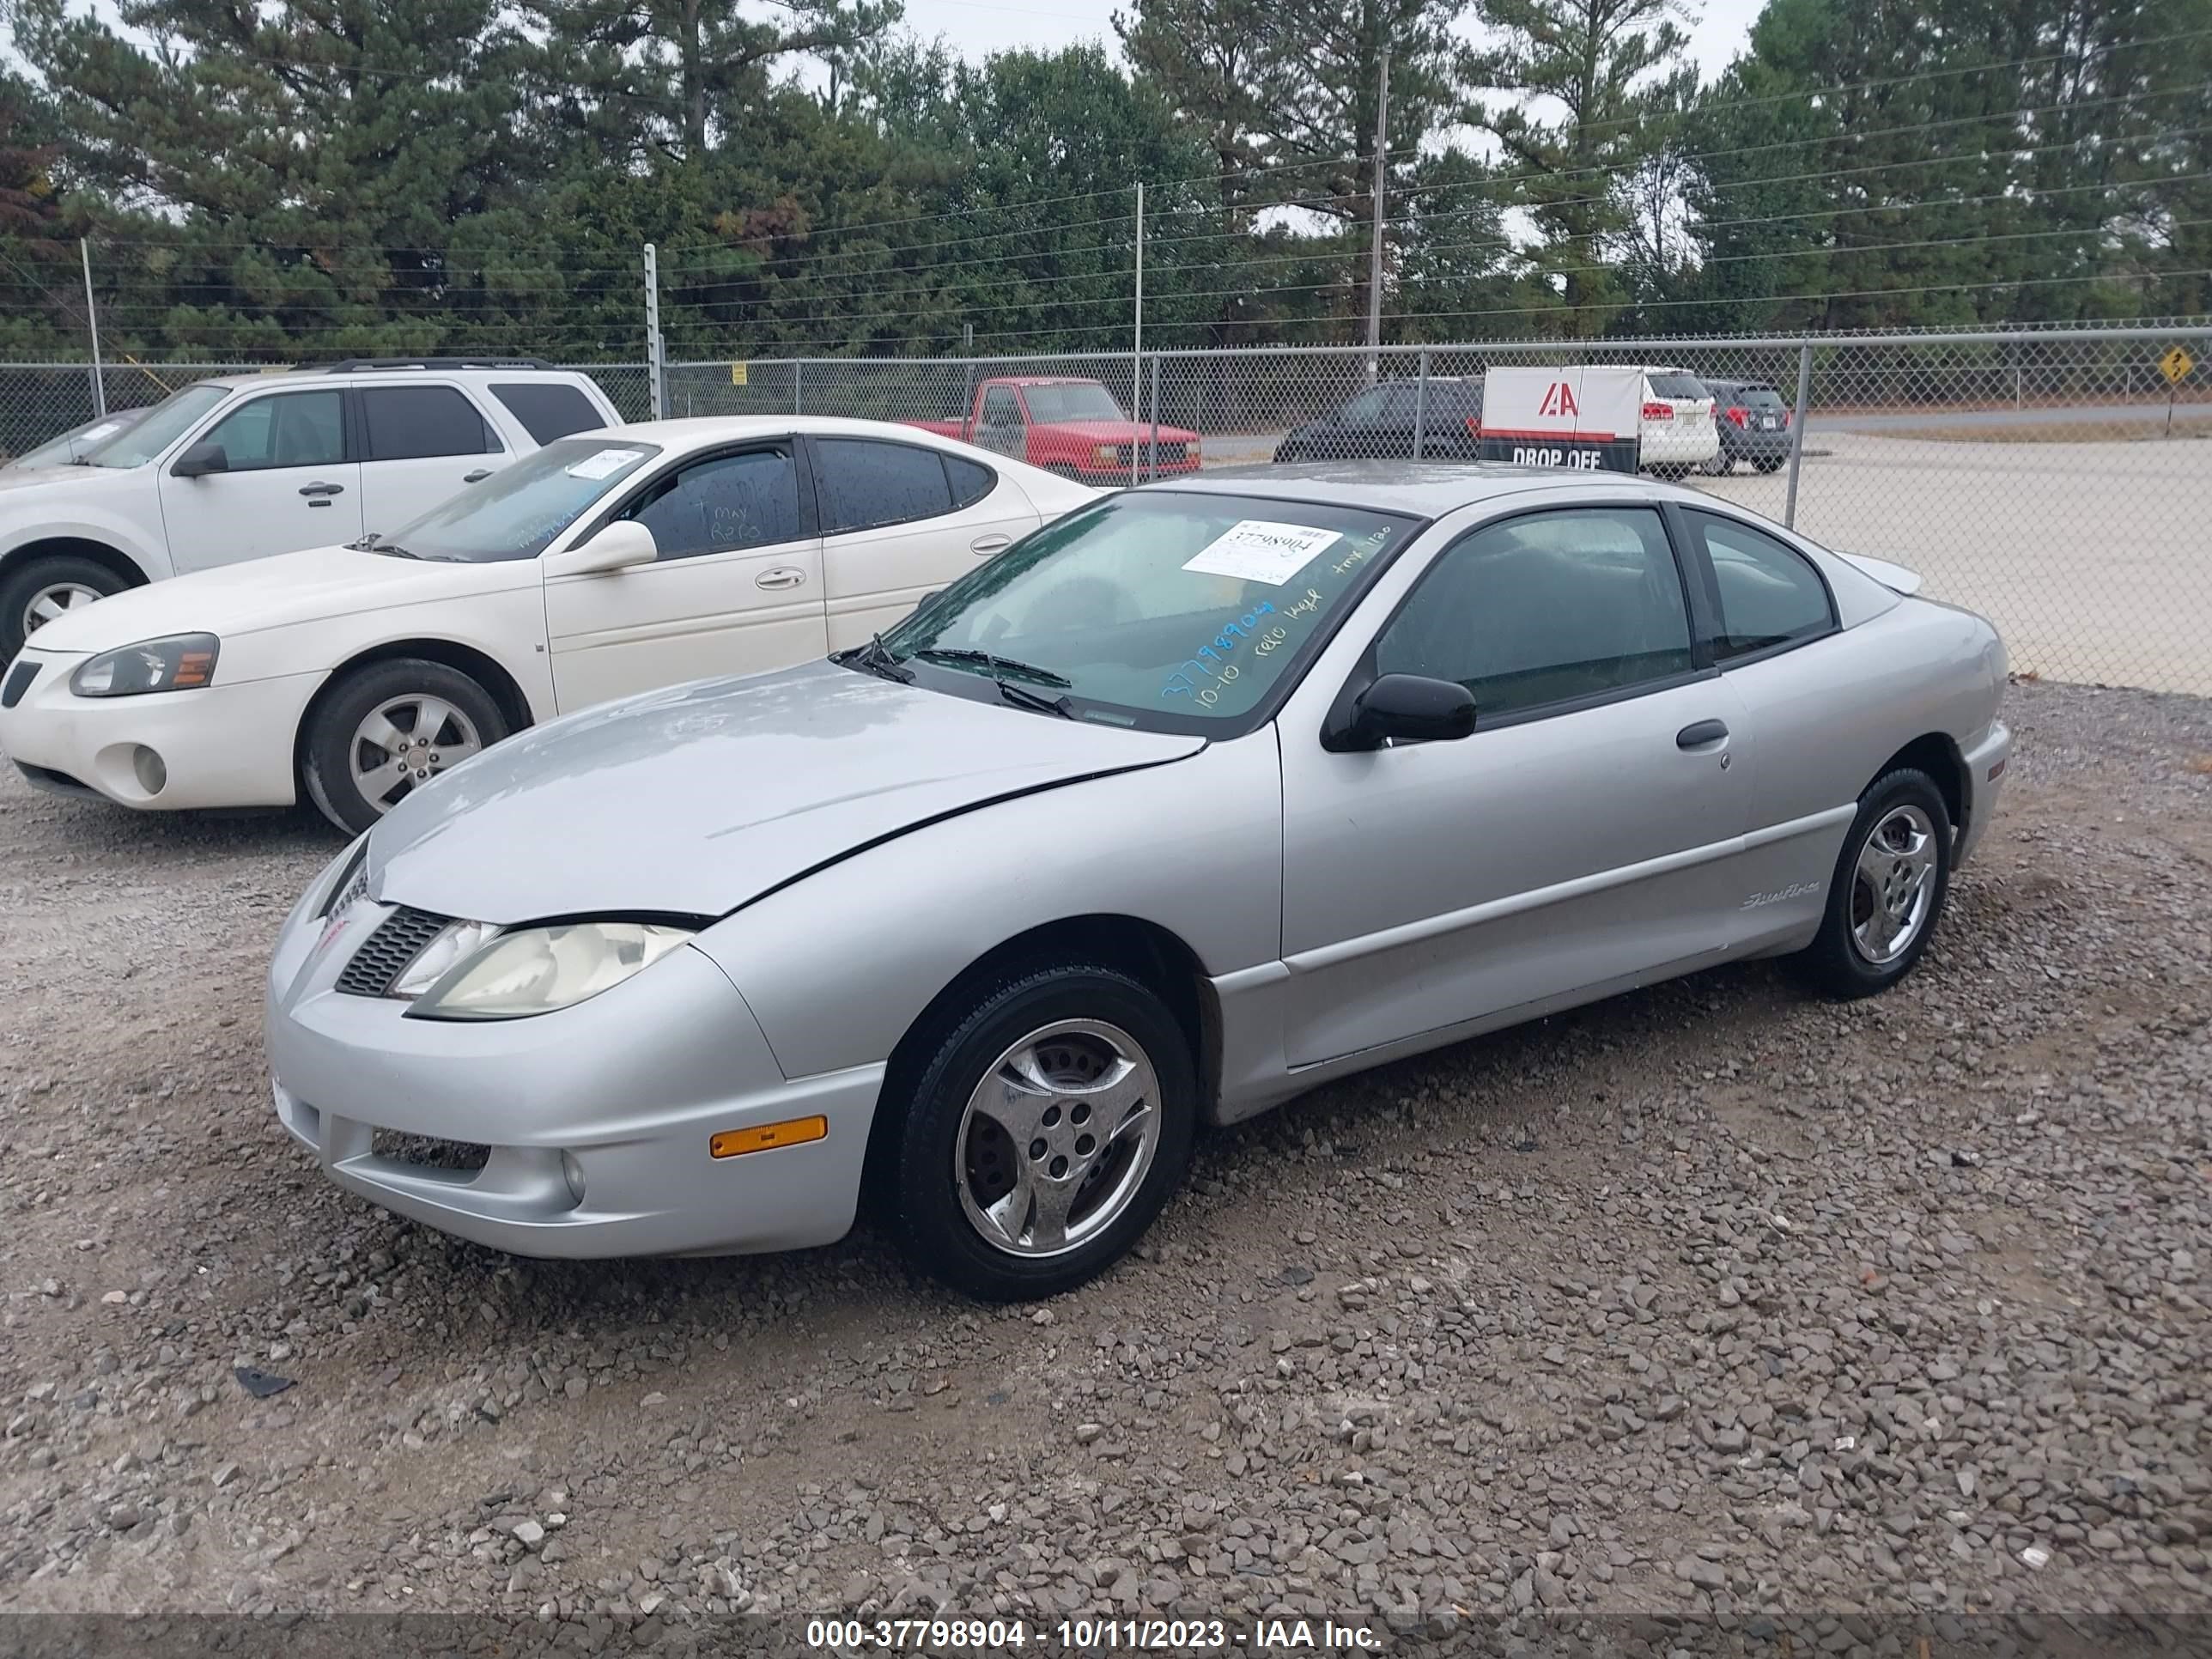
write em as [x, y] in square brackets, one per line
[2176, 365]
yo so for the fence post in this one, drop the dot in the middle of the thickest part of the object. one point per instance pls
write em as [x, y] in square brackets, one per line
[1155, 457]
[798, 386]
[655, 387]
[1797, 429]
[92, 321]
[1421, 403]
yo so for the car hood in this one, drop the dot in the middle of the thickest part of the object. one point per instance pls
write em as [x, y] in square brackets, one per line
[699, 798]
[14, 481]
[1117, 432]
[274, 593]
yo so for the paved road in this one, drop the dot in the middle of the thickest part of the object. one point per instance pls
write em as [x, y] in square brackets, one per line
[1970, 419]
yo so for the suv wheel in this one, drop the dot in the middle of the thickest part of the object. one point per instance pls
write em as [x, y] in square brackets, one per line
[43, 591]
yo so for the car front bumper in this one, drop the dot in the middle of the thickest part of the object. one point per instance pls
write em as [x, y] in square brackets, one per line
[227, 746]
[583, 1133]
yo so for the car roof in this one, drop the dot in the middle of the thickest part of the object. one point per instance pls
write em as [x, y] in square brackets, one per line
[1430, 488]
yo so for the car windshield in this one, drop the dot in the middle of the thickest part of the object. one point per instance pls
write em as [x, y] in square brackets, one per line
[78, 441]
[159, 426]
[1163, 610]
[1758, 396]
[517, 512]
[1677, 385]
[1071, 403]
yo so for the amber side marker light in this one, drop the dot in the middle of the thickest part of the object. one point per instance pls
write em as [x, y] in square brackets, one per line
[766, 1137]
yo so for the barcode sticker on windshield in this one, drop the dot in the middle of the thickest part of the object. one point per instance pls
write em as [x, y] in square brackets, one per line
[603, 463]
[1261, 551]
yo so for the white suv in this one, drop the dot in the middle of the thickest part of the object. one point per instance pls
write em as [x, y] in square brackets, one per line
[250, 465]
[1677, 431]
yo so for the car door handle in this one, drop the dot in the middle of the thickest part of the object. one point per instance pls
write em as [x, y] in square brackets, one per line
[991, 544]
[476, 477]
[1703, 735]
[783, 576]
[322, 490]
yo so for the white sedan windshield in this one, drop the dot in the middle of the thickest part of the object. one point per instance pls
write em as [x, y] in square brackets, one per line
[1164, 609]
[517, 512]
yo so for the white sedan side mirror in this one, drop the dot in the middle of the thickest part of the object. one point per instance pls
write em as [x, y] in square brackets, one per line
[620, 545]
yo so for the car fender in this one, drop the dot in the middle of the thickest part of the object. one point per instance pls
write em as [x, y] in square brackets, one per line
[1192, 847]
[74, 518]
[506, 625]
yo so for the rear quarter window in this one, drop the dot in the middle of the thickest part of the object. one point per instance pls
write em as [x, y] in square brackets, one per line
[548, 409]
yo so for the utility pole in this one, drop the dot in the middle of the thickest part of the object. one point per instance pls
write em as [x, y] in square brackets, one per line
[656, 385]
[1137, 343]
[1374, 240]
[92, 321]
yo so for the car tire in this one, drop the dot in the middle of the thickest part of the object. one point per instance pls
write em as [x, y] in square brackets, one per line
[1290, 454]
[960, 1211]
[337, 743]
[1895, 872]
[1769, 463]
[48, 586]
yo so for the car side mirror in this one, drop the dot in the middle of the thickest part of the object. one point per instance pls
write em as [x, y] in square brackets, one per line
[620, 545]
[1404, 708]
[199, 461]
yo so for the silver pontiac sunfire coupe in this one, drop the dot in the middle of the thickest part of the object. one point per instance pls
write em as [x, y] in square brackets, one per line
[1191, 800]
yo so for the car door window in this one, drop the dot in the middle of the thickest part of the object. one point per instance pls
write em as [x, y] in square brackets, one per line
[420, 422]
[719, 506]
[866, 483]
[1766, 595]
[1549, 608]
[293, 428]
[1398, 401]
[1001, 407]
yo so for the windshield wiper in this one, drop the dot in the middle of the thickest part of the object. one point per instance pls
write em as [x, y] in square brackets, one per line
[372, 543]
[961, 655]
[1022, 697]
[877, 658]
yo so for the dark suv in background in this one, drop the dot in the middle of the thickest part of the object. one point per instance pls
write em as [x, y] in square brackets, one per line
[1380, 422]
[1754, 423]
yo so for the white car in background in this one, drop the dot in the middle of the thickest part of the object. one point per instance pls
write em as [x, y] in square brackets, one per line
[599, 566]
[1678, 431]
[246, 465]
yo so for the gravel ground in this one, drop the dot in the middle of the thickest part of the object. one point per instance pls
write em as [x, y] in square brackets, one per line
[1713, 1299]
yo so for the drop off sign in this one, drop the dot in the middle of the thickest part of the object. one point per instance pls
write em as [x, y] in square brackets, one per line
[1581, 418]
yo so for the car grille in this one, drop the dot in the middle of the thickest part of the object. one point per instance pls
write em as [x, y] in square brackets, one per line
[1144, 452]
[385, 955]
[430, 1151]
[19, 682]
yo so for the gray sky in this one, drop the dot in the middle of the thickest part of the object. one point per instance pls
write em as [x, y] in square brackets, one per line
[979, 27]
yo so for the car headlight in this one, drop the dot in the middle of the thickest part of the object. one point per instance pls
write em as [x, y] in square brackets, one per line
[1105, 455]
[535, 970]
[184, 662]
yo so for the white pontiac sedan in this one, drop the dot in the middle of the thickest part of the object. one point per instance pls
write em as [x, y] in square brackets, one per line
[604, 564]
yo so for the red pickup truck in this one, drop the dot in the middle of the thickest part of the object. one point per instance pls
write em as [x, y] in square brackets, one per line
[1071, 426]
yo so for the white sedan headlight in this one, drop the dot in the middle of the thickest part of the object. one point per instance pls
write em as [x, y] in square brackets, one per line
[185, 662]
[532, 970]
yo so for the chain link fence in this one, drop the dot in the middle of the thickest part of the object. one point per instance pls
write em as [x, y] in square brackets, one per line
[2057, 480]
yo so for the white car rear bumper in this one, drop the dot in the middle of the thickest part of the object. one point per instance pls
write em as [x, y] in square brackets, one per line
[229, 745]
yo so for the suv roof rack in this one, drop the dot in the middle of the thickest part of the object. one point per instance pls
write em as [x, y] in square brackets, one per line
[354, 365]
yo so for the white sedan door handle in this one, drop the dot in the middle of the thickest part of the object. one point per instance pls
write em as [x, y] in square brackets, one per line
[991, 544]
[783, 576]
